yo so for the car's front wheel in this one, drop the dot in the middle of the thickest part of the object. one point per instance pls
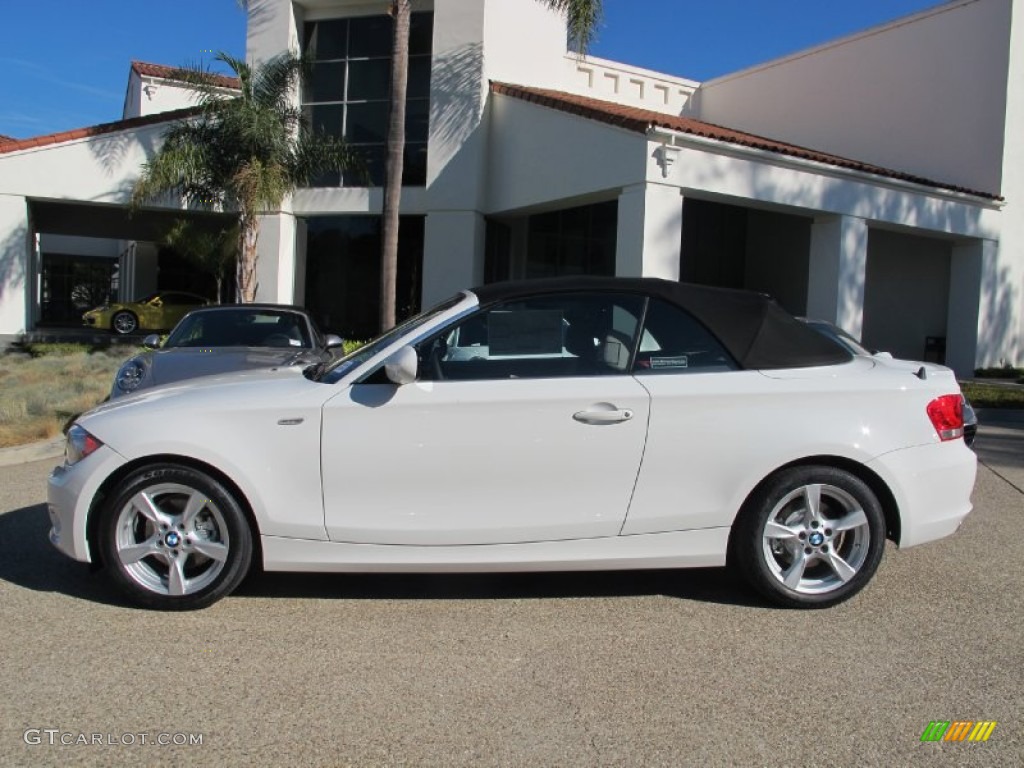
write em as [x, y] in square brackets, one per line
[124, 322]
[174, 538]
[810, 537]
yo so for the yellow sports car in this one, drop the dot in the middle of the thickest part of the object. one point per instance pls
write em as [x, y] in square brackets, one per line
[157, 312]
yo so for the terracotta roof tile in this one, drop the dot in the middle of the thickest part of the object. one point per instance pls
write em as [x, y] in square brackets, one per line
[6, 139]
[94, 130]
[173, 73]
[642, 120]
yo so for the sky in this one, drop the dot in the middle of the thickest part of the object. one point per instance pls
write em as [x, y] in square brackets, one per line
[64, 63]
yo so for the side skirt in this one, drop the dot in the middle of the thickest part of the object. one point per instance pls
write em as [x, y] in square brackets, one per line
[701, 548]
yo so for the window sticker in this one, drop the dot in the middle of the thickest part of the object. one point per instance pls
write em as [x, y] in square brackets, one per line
[678, 361]
[525, 332]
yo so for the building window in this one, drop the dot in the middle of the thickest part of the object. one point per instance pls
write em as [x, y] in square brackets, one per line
[348, 90]
[343, 272]
[573, 241]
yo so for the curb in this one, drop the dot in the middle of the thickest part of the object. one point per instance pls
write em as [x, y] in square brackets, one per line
[22, 454]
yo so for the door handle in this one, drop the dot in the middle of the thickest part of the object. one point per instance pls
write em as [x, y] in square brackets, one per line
[607, 415]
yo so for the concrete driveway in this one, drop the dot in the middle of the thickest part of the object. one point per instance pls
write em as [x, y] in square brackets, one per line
[640, 668]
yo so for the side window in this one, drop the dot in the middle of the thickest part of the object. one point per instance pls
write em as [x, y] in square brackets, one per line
[673, 341]
[554, 336]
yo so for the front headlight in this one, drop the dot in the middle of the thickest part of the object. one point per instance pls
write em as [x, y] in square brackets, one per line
[130, 376]
[79, 444]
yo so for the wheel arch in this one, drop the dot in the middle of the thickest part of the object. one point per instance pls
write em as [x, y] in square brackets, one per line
[115, 477]
[878, 486]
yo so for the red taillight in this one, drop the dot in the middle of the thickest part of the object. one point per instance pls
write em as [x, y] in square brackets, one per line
[947, 416]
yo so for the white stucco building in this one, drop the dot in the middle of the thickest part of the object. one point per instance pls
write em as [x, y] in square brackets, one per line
[875, 181]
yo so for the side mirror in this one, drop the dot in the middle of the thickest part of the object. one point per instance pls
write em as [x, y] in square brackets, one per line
[152, 341]
[333, 342]
[400, 367]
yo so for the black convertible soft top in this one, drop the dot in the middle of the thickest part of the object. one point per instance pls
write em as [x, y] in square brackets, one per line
[756, 331]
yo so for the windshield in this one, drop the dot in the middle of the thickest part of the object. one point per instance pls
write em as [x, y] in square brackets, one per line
[342, 366]
[241, 327]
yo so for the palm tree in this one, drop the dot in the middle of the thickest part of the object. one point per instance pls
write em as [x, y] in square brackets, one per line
[211, 250]
[582, 17]
[241, 153]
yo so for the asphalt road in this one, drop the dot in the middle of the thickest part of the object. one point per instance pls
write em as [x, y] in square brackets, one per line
[642, 668]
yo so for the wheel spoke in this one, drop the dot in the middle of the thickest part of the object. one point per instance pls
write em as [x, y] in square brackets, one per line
[212, 549]
[134, 553]
[144, 503]
[841, 567]
[792, 575]
[812, 499]
[196, 503]
[775, 530]
[176, 576]
[853, 519]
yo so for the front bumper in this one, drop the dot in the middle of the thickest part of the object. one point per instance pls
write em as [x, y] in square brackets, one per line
[932, 485]
[70, 493]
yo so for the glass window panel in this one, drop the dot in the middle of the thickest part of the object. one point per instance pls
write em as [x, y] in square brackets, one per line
[329, 179]
[325, 119]
[674, 341]
[371, 170]
[370, 36]
[326, 82]
[414, 170]
[417, 120]
[326, 39]
[369, 79]
[419, 78]
[367, 123]
[421, 34]
[543, 337]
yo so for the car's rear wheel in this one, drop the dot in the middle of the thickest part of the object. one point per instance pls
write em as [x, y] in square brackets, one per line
[810, 537]
[124, 322]
[174, 538]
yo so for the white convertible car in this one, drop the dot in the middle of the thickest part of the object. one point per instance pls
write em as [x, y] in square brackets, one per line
[566, 424]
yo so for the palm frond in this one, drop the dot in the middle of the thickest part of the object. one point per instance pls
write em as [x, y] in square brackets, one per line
[583, 18]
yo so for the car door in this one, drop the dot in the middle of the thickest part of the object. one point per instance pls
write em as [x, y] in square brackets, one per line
[536, 436]
[713, 426]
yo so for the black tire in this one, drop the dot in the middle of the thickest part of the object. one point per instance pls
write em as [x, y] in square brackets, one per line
[804, 560]
[174, 538]
[124, 322]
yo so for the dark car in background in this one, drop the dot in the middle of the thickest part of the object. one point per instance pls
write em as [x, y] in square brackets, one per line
[225, 338]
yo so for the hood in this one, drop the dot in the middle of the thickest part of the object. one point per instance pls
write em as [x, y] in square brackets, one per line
[166, 366]
[225, 388]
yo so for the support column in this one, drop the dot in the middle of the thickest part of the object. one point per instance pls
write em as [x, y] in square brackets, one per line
[650, 231]
[969, 262]
[836, 271]
[275, 265]
[17, 281]
[453, 253]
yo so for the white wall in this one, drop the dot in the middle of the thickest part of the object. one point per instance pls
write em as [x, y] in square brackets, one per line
[15, 272]
[98, 169]
[1008, 286]
[924, 94]
[541, 154]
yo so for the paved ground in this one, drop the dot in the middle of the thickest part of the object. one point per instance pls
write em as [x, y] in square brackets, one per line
[655, 668]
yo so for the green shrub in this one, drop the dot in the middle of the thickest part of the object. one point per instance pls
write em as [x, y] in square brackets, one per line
[993, 396]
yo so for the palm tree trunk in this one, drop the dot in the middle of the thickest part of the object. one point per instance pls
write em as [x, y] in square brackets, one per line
[401, 10]
[245, 271]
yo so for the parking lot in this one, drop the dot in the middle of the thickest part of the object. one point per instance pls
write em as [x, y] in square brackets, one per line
[639, 668]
